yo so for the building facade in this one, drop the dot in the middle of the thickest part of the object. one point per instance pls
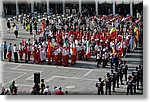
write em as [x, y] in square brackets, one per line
[101, 7]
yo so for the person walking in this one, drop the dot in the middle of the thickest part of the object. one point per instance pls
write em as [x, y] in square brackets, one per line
[15, 30]
[8, 26]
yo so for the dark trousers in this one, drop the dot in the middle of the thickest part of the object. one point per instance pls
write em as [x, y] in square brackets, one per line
[114, 85]
[129, 89]
[5, 53]
[16, 57]
[117, 81]
[134, 88]
[104, 63]
[138, 83]
[98, 62]
[121, 76]
[108, 88]
[125, 75]
[100, 91]
[112, 63]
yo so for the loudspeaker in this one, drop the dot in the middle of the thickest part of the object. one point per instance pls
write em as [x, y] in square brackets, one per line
[37, 78]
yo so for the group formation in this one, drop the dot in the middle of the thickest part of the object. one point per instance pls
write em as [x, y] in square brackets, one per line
[120, 76]
[60, 38]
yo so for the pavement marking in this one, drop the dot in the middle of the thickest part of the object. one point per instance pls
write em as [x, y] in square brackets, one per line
[14, 79]
[16, 68]
[48, 80]
[50, 66]
[86, 74]
[11, 71]
[30, 78]
[70, 78]
[24, 85]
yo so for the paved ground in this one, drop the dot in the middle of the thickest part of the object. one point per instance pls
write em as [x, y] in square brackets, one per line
[78, 79]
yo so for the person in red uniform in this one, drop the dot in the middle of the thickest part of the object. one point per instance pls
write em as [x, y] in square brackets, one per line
[26, 52]
[65, 57]
[9, 52]
[21, 51]
[43, 24]
[60, 92]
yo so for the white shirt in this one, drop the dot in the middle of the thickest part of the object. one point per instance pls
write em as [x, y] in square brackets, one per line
[47, 90]
[14, 49]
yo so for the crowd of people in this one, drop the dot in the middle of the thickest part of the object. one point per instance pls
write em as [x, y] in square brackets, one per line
[75, 37]
[65, 39]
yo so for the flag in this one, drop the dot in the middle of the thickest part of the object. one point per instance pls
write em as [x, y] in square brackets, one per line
[73, 49]
[65, 43]
[49, 52]
[113, 32]
[88, 49]
[136, 31]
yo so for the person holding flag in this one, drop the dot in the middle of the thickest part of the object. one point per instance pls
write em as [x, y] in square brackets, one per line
[88, 50]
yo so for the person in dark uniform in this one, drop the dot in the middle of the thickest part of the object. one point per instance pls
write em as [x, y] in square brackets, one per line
[113, 80]
[116, 60]
[117, 78]
[129, 86]
[138, 77]
[141, 74]
[124, 67]
[120, 75]
[42, 86]
[5, 50]
[134, 80]
[108, 84]
[100, 84]
[47, 22]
